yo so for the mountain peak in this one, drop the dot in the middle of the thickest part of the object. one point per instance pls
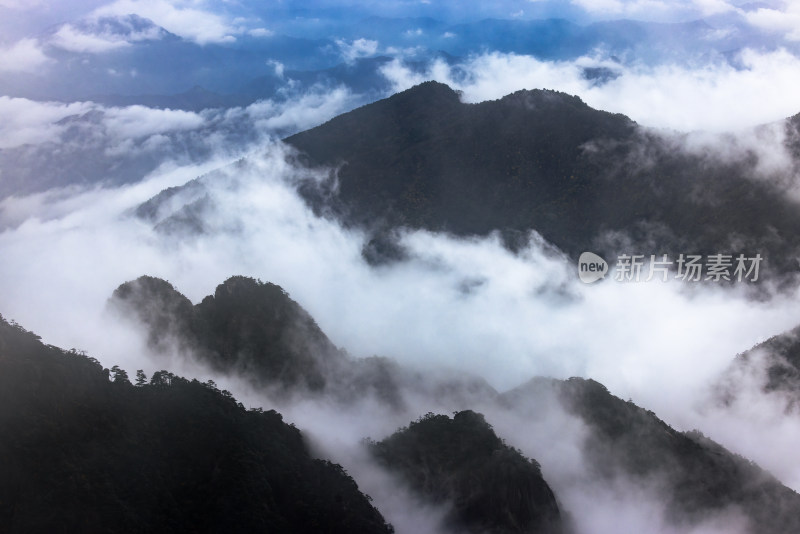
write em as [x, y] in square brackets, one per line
[170, 456]
[424, 159]
[430, 88]
[533, 99]
[427, 98]
[245, 324]
[539, 160]
[130, 27]
[441, 458]
[242, 286]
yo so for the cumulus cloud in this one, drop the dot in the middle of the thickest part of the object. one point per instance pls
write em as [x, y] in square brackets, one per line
[260, 32]
[305, 112]
[762, 149]
[25, 55]
[24, 121]
[28, 122]
[782, 18]
[140, 121]
[191, 20]
[668, 96]
[47, 144]
[357, 48]
[785, 21]
[278, 66]
[100, 35]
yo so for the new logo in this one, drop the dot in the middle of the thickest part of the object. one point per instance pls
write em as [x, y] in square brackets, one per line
[591, 267]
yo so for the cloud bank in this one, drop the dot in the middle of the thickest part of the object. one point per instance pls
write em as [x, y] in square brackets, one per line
[665, 96]
[455, 304]
[50, 144]
[25, 55]
[464, 304]
[195, 21]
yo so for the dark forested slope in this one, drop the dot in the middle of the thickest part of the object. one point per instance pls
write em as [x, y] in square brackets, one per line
[771, 368]
[697, 476]
[490, 486]
[256, 331]
[439, 456]
[543, 160]
[82, 453]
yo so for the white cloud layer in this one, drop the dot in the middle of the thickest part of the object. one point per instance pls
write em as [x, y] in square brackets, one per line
[780, 17]
[656, 10]
[141, 121]
[785, 21]
[456, 304]
[357, 48]
[304, 112]
[25, 55]
[193, 20]
[24, 121]
[69, 38]
[715, 97]
[100, 38]
[29, 122]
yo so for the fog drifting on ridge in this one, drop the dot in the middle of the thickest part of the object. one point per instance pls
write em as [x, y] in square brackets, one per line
[465, 304]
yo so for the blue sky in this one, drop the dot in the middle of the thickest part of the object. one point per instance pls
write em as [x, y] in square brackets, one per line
[208, 21]
[738, 67]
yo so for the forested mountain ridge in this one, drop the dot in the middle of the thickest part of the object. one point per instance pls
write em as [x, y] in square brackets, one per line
[493, 488]
[537, 160]
[545, 161]
[698, 477]
[255, 331]
[770, 368]
[83, 453]
[249, 327]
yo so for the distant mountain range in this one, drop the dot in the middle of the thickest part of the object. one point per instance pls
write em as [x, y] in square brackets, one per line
[136, 61]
